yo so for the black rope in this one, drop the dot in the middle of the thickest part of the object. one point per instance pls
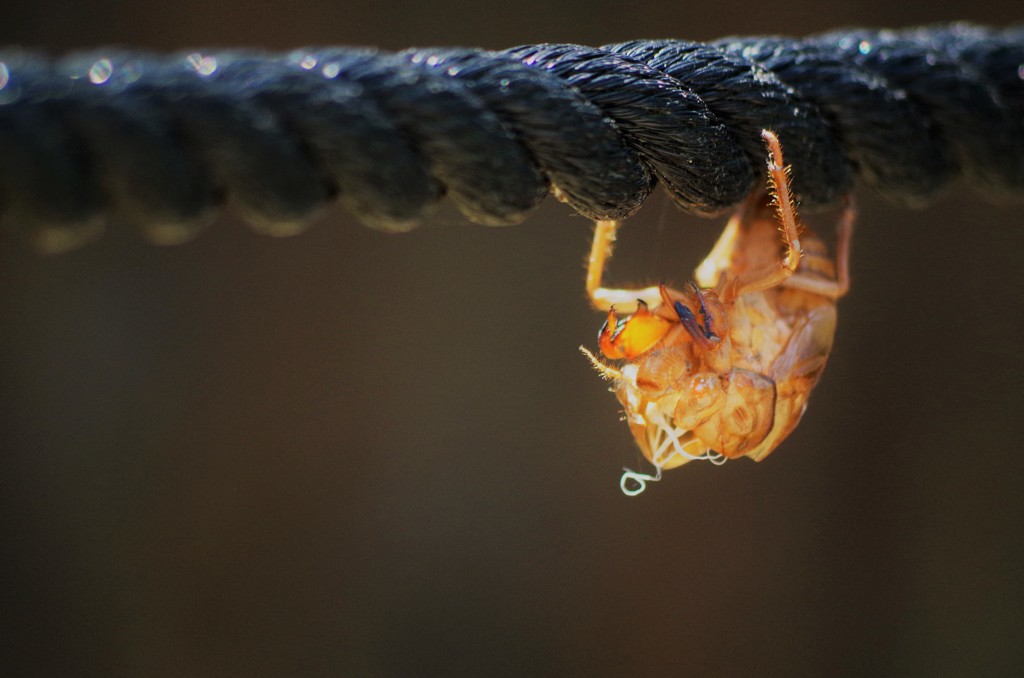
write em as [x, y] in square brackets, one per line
[163, 141]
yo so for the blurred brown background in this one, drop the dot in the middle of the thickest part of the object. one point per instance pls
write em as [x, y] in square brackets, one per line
[354, 454]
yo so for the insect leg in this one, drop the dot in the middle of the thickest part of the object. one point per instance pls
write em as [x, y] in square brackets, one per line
[833, 289]
[709, 271]
[708, 332]
[689, 321]
[702, 332]
[779, 180]
[604, 298]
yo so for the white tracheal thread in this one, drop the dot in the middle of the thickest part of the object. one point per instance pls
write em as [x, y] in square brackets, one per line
[669, 435]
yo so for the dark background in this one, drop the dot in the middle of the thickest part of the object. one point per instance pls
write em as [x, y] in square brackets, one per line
[351, 453]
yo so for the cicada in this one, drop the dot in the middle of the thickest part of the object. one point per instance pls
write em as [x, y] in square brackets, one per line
[723, 367]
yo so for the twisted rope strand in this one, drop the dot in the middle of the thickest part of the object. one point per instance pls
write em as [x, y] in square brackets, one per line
[162, 142]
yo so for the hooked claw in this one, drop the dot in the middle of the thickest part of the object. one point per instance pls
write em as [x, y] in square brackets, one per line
[703, 333]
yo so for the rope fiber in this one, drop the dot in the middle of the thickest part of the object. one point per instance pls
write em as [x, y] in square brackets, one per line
[162, 142]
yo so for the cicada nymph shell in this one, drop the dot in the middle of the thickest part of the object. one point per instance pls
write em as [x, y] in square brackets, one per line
[723, 368]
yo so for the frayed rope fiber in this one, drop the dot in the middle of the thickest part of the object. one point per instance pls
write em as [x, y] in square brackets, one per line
[162, 142]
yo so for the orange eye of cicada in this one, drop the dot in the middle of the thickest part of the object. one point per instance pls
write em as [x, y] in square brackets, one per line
[630, 337]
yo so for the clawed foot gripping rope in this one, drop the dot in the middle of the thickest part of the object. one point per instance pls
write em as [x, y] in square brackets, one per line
[161, 142]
